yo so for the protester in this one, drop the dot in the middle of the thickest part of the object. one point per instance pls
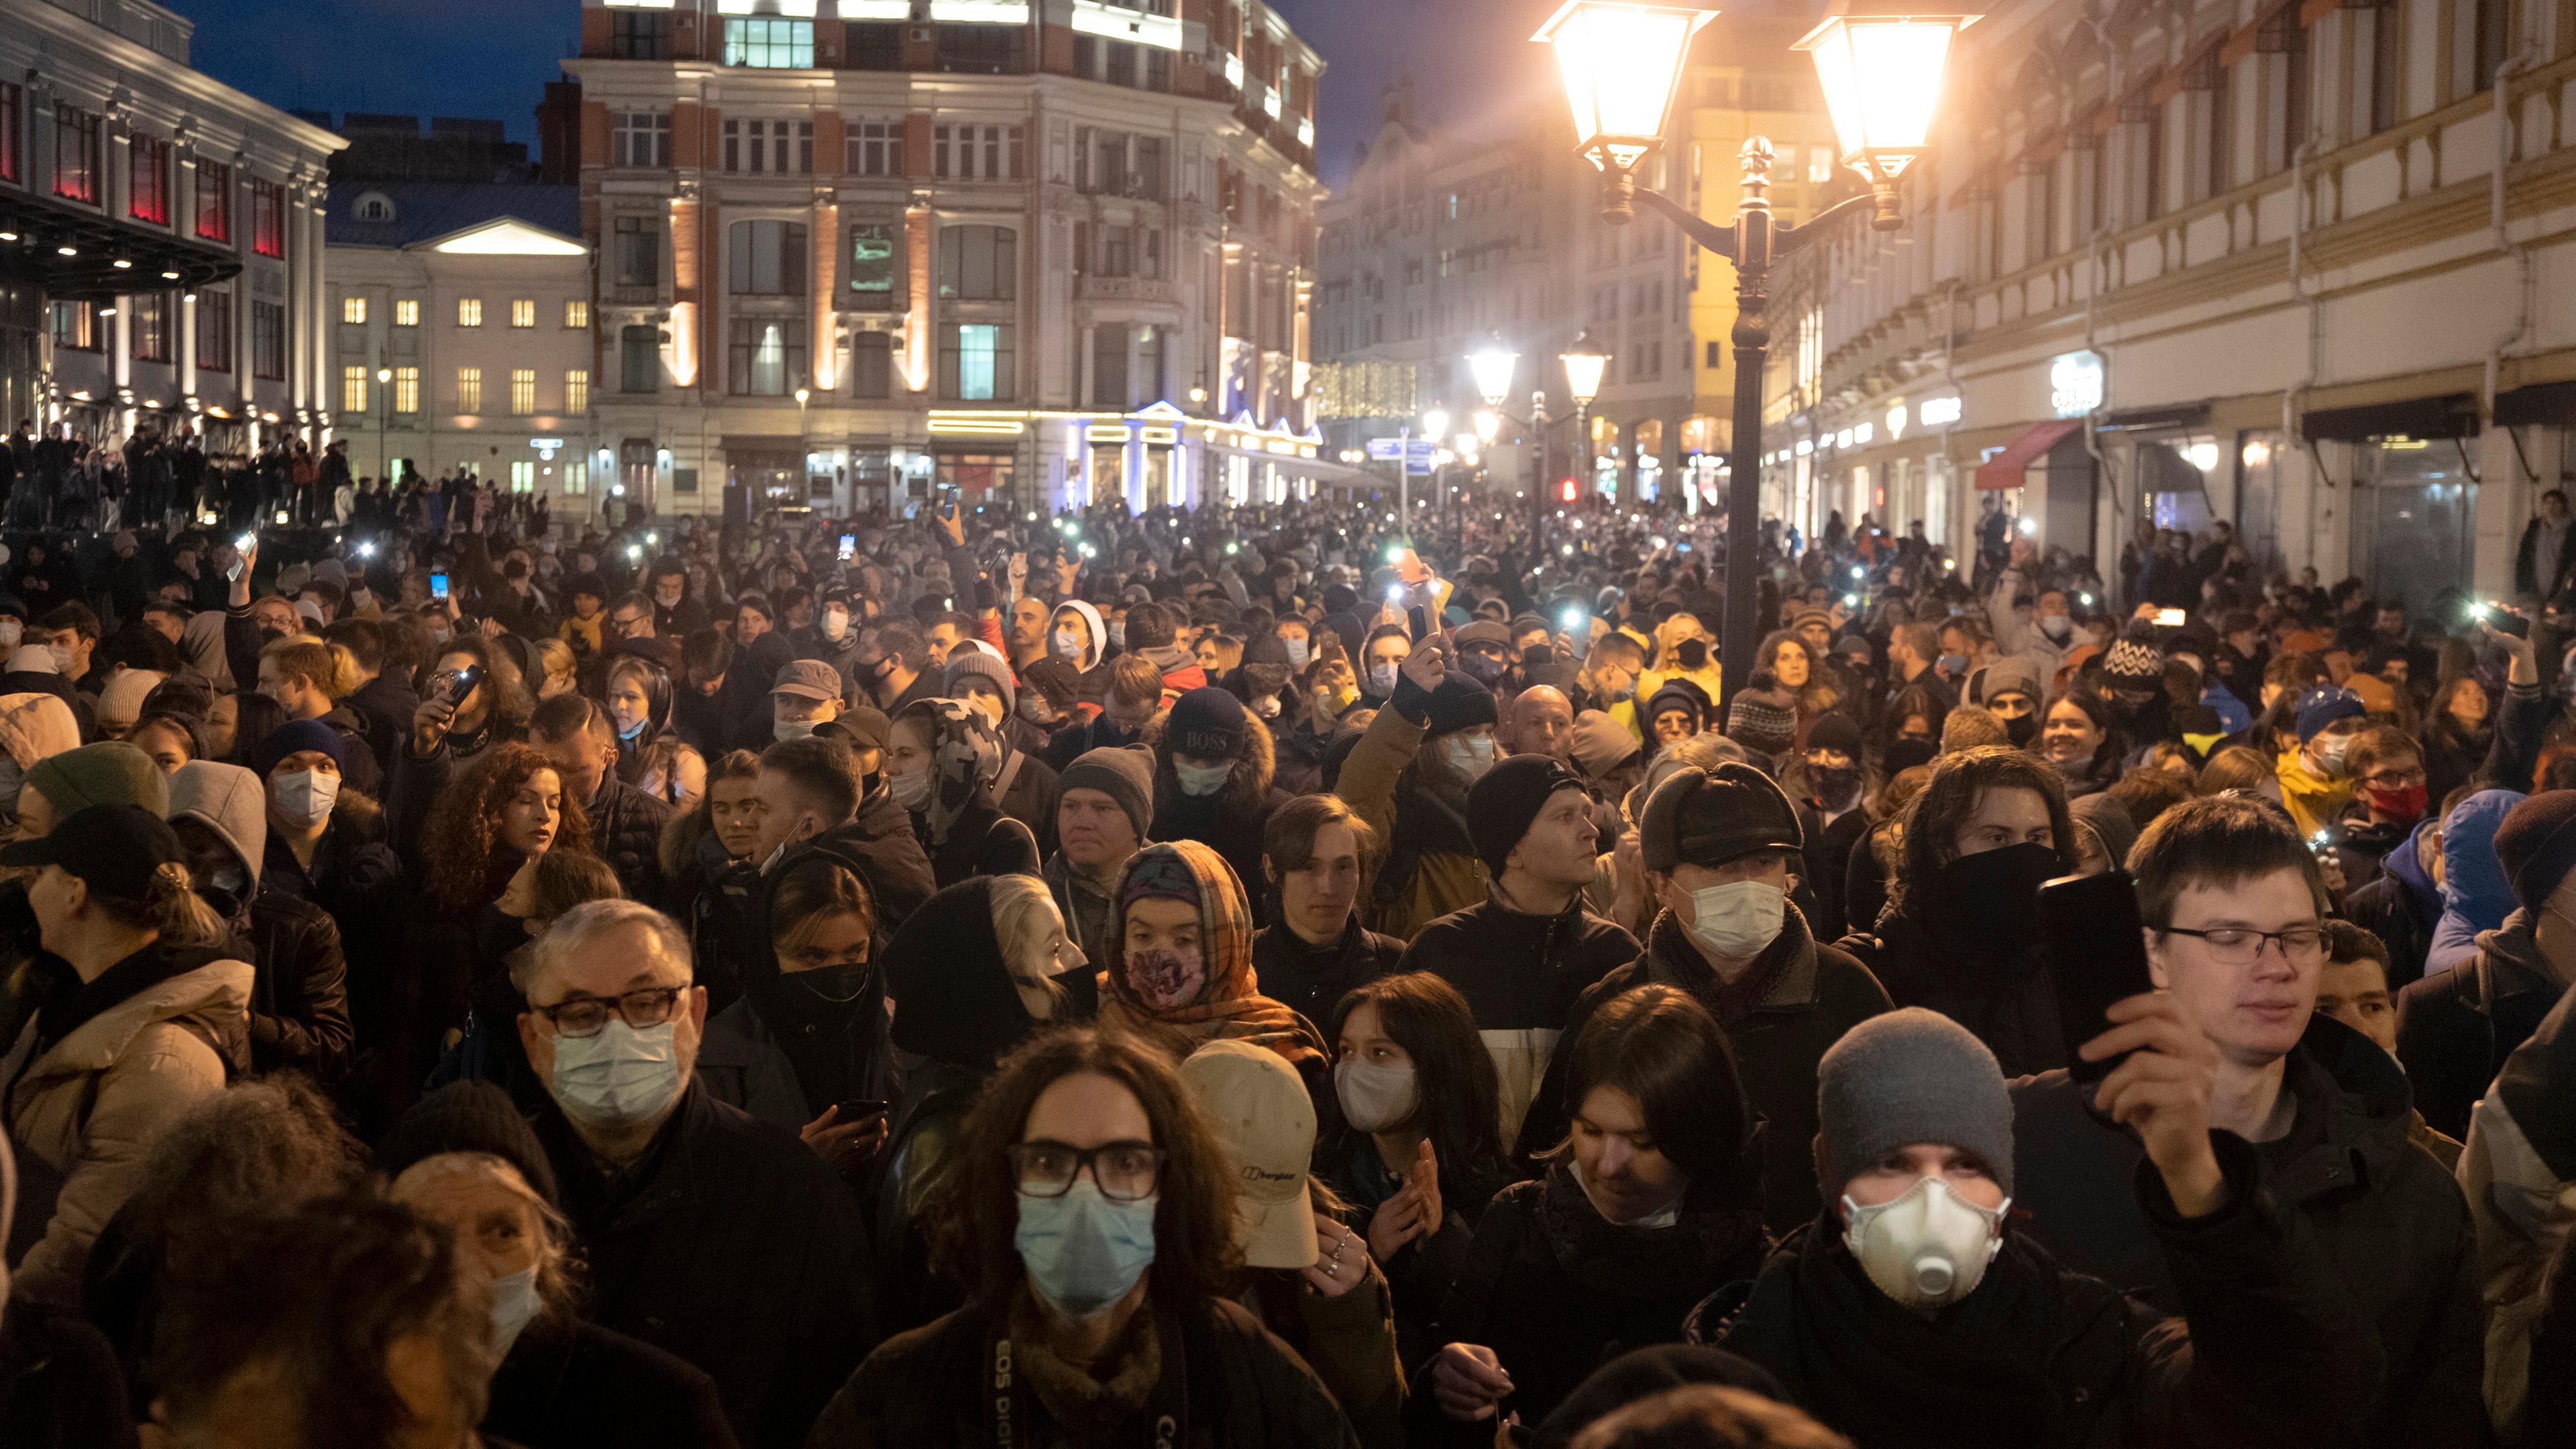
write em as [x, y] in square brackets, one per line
[299, 1008]
[1213, 764]
[1178, 968]
[1102, 814]
[1317, 855]
[1408, 777]
[943, 759]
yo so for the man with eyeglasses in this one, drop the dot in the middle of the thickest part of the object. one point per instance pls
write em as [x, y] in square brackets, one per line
[2388, 799]
[2234, 906]
[708, 1234]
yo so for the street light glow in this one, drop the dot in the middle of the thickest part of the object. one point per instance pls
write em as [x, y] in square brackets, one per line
[1435, 423]
[1621, 63]
[1882, 81]
[1492, 367]
[1488, 424]
[1584, 364]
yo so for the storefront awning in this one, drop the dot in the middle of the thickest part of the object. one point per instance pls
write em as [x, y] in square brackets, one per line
[2452, 415]
[73, 251]
[2172, 416]
[2550, 403]
[2009, 466]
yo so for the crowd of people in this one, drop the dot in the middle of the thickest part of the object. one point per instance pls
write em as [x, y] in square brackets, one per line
[1267, 976]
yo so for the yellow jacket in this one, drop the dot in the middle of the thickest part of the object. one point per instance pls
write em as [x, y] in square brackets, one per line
[2313, 801]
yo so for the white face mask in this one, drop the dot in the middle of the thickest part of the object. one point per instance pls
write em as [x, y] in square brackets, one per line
[514, 1306]
[910, 791]
[1738, 919]
[619, 1076]
[1470, 757]
[1202, 779]
[1298, 651]
[62, 659]
[1068, 646]
[2056, 626]
[10, 632]
[836, 622]
[1375, 1097]
[1926, 1247]
[791, 729]
[304, 797]
[1382, 679]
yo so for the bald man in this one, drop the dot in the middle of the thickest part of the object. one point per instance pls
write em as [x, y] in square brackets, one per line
[1540, 722]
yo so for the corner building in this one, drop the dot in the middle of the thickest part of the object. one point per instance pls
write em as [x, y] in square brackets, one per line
[882, 252]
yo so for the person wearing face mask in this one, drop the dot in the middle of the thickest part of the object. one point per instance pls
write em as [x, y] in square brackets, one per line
[1382, 664]
[1484, 655]
[649, 756]
[2389, 800]
[803, 694]
[1089, 1216]
[985, 965]
[686, 1208]
[299, 1004]
[942, 760]
[1647, 1206]
[2012, 690]
[1961, 934]
[806, 1039]
[1408, 777]
[833, 635]
[1525, 955]
[1177, 967]
[1213, 764]
[1076, 635]
[1832, 789]
[2315, 779]
[463, 1158]
[1027, 787]
[1911, 1301]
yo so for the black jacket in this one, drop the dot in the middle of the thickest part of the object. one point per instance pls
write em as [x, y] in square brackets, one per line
[1074, 741]
[731, 1245]
[1556, 1291]
[2401, 911]
[879, 839]
[569, 1386]
[1229, 1383]
[2456, 1026]
[1522, 976]
[2388, 1219]
[1222, 823]
[1815, 994]
[2011, 1005]
[299, 998]
[1828, 865]
[626, 831]
[387, 704]
[981, 841]
[2040, 1355]
[60, 1387]
[1313, 979]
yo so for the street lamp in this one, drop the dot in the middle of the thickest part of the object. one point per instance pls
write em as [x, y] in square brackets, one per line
[1492, 366]
[1880, 65]
[1584, 366]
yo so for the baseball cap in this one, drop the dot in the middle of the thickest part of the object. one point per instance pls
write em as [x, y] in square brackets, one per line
[116, 849]
[1259, 1107]
[808, 679]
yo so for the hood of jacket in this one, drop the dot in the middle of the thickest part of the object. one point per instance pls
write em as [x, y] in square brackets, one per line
[201, 650]
[230, 801]
[956, 1003]
[2473, 880]
[2408, 867]
[2508, 962]
[1098, 640]
[204, 982]
[34, 725]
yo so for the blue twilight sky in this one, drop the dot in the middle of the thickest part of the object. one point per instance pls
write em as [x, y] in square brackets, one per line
[492, 58]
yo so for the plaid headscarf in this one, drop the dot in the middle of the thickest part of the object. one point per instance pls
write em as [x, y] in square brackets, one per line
[1229, 1003]
[966, 756]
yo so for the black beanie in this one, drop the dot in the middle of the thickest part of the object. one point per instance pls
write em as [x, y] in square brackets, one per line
[1207, 723]
[1460, 703]
[1505, 799]
[1834, 730]
[1709, 817]
[467, 1116]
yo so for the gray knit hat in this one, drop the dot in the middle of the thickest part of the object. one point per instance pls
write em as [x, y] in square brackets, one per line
[1123, 773]
[1909, 1076]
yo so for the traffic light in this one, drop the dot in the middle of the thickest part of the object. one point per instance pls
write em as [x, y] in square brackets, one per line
[1566, 490]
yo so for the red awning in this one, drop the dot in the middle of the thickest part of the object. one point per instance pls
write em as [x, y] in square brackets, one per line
[2009, 465]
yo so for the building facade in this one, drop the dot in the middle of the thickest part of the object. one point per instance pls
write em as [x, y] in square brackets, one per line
[880, 251]
[2280, 264]
[161, 243]
[461, 334]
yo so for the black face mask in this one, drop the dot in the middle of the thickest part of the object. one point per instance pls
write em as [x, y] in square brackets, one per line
[1691, 654]
[1989, 901]
[1833, 786]
[1905, 754]
[2130, 704]
[2023, 730]
[830, 985]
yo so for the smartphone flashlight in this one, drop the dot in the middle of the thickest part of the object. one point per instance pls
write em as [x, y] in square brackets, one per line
[1851, 601]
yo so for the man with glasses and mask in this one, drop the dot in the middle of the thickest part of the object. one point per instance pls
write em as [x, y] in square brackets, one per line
[708, 1234]
[2234, 907]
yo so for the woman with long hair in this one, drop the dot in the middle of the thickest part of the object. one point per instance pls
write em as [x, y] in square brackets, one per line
[1089, 1214]
[2459, 730]
[2079, 739]
[1793, 665]
[649, 756]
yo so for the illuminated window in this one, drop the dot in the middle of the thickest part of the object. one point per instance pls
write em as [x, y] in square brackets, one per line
[577, 390]
[268, 218]
[576, 478]
[523, 391]
[77, 163]
[214, 201]
[639, 138]
[353, 389]
[577, 314]
[523, 477]
[469, 311]
[523, 312]
[148, 165]
[469, 389]
[353, 309]
[765, 44]
[407, 312]
[406, 389]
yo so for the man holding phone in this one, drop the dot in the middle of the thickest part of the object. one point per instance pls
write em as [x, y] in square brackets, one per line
[2233, 906]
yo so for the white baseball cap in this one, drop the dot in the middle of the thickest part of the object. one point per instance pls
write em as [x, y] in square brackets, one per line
[1259, 1107]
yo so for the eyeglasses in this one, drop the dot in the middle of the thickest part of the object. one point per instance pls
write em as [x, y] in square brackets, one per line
[2243, 945]
[2393, 779]
[626, 621]
[586, 1016]
[1123, 1171]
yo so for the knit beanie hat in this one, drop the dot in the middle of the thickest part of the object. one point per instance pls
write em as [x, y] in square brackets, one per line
[1710, 817]
[1601, 744]
[2322, 706]
[294, 737]
[1764, 721]
[1460, 703]
[1159, 875]
[2536, 845]
[1124, 774]
[1505, 799]
[2134, 664]
[2011, 674]
[111, 772]
[965, 664]
[1834, 730]
[1207, 723]
[468, 1116]
[1906, 1076]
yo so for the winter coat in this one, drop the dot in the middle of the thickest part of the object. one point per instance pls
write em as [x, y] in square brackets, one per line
[1828, 864]
[1029, 796]
[981, 841]
[387, 704]
[1522, 975]
[1228, 1383]
[2361, 847]
[2456, 1026]
[880, 843]
[1088, 911]
[2517, 1171]
[2386, 1216]
[60, 1387]
[1348, 1339]
[780, 1052]
[1430, 868]
[2011, 1006]
[2400, 908]
[626, 831]
[566, 1385]
[1074, 741]
[1556, 1291]
[1313, 979]
[1812, 994]
[299, 1007]
[89, 1106]
[732, 1246]
[2267, 1352]
[1234, 821]
[2476, 896]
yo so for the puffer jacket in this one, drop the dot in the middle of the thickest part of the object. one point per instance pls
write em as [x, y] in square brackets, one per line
[1431, 867]
[626, 831]
[90, 1106]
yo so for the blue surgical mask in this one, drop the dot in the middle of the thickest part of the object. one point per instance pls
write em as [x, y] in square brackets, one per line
[1084, 1250]
[1954, 664]
[1202, 779]
[618, 1077]
[1117, 633]
[641, 725]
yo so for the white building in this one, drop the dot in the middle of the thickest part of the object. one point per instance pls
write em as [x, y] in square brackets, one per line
[122, 169]
[461, 333]
[2288, 265]
[866, 250]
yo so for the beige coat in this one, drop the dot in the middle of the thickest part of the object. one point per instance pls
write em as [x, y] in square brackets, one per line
[92, 1106]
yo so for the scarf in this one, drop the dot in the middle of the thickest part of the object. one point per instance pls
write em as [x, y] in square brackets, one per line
[1229, 1004]
[965, 757]
[1083, 1405]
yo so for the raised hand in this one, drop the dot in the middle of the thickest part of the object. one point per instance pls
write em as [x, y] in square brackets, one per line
[2162, 1091]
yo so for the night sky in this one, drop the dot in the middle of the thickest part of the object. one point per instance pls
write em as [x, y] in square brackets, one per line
[492, 58]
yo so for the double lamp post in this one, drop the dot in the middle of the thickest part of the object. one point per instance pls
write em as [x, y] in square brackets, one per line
[1880, 66]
